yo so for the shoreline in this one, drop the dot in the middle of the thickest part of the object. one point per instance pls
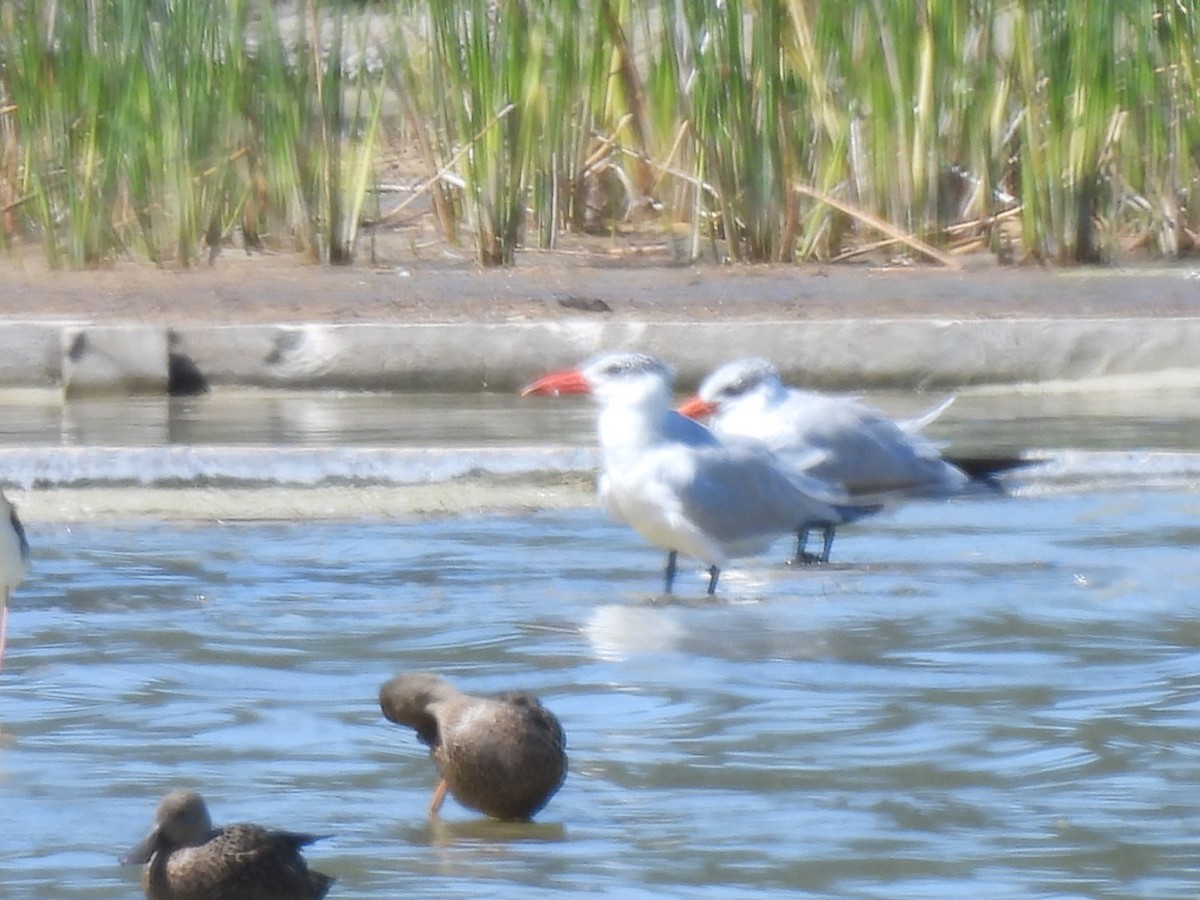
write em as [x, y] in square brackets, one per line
[274, 322]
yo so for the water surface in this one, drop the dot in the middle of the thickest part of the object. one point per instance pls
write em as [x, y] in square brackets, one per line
[995, 696]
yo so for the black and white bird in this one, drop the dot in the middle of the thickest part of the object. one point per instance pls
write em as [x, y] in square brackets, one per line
[838, 439]
[679, 485]
[14, 561]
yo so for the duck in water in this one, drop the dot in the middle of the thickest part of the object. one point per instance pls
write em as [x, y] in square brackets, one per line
[503, 754]
[186, 858]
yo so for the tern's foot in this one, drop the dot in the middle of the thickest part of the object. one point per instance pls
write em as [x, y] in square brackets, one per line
[807, 559]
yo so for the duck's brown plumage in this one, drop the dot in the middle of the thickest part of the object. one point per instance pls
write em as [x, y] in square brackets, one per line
[503, 754]
[187, 859]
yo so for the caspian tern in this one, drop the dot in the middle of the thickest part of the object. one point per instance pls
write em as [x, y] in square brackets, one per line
[681, 487]
[14, 561]
[840, 440]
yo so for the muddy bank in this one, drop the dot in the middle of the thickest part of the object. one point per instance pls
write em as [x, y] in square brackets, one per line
[620, 286]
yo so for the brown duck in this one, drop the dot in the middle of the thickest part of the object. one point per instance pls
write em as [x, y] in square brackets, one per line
[187, 859]
[503, 754]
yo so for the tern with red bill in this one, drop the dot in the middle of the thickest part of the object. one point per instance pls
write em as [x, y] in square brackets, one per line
[837, 439]
[681, 487]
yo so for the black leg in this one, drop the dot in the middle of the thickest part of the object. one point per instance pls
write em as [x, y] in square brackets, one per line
[801, 544]
[670, 570]
[803, 557]
[713, 574]
[830, 528]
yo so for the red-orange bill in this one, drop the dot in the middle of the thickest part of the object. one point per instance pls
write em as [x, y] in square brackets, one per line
[695, 408]
[564, 381]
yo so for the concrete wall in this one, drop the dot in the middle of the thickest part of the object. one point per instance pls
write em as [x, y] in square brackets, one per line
[843, 354]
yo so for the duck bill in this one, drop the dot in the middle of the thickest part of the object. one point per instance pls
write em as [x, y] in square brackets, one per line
[552, 384]
[141, 854]
[695, 408]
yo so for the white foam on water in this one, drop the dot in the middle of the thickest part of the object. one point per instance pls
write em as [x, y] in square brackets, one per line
[176, 466]
[73, 483]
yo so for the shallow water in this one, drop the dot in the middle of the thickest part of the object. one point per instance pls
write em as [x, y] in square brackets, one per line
[995, 696]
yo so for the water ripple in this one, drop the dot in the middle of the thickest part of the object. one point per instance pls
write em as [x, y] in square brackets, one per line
[993, 697]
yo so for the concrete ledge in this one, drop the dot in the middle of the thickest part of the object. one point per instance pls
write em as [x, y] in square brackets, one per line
[904, 353]
[841, 354]
[99, 359]
[912, 354]
[31, 355]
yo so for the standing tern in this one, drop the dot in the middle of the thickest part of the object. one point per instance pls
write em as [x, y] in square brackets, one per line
[14, 561]
[681, 487]
[837, 439]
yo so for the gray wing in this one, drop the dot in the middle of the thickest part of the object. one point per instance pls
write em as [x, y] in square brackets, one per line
[740, 493]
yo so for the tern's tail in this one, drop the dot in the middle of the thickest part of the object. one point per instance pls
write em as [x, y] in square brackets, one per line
[986, 470]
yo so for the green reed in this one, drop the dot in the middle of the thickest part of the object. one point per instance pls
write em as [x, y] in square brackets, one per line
[930, 113]
[765, 129]
[511, 91]
[741, 108]
[464, 73]
[158, 129]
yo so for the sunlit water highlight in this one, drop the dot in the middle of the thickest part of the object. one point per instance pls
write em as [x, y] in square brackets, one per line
[992, 697]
